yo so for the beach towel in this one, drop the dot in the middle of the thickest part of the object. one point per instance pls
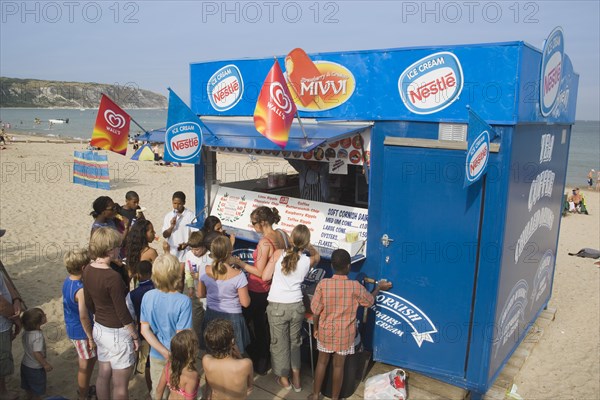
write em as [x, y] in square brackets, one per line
[587, 253]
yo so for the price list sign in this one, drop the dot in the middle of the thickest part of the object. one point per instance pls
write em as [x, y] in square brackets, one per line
[328, 223]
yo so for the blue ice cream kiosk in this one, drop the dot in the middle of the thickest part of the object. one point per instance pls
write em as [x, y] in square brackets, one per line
[472, 266]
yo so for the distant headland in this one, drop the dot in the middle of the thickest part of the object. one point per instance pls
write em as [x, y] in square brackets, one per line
[35, 93]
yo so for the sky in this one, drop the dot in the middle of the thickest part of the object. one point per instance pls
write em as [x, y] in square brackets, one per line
[150, 44]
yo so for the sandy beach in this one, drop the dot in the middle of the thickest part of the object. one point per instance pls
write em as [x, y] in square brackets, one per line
[45, 215]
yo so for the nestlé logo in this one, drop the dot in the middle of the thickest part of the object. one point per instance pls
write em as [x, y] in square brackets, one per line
[552, 58]
[183, 140]
[432, 83]
[225, 88]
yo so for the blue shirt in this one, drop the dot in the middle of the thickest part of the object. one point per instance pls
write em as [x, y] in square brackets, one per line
[166, 313]
[71, 309]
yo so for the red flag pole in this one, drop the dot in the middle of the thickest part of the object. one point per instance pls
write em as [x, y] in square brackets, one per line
[299, 120]
[302, 128]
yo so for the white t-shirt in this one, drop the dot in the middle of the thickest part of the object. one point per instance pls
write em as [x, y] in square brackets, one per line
[195, 267]
[287, 288]
[181, 232]
[33, 341]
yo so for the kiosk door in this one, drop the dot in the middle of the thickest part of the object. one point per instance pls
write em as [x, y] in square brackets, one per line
[428, 247]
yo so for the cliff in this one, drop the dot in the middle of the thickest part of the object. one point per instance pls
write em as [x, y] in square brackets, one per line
[57, 94]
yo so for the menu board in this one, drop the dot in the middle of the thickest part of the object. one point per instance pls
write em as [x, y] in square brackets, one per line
[355, 150]
[328, 223]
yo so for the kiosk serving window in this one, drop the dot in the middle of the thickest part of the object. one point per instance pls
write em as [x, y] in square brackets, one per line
[324, 188]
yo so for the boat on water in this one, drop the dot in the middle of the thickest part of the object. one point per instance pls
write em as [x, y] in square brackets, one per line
[59, 121]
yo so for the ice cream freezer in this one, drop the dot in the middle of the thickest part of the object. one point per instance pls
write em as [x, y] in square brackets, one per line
[472, 265]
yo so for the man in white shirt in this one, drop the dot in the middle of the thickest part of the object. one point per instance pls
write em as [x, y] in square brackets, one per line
[175, 226]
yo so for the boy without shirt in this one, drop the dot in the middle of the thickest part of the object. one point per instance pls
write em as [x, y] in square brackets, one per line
[228, 376]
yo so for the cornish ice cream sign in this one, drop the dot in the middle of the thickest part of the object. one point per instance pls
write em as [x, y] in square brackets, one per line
[398, 315]
[552, 59]
[432, 83]
[225, 88]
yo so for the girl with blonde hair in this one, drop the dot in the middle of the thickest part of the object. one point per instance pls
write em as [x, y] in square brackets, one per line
[114, 331]
[164, 313]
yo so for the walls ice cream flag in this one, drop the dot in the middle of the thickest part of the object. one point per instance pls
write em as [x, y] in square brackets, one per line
[111, 131]
[183, 137]
[479, 134]
[275, 109]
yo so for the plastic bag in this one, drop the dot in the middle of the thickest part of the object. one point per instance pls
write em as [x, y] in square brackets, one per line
[391, 385]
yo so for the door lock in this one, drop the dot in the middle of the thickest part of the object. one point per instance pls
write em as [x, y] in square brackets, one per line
[386, 240]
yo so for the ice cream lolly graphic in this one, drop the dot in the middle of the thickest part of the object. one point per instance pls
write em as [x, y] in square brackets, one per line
[299, 66]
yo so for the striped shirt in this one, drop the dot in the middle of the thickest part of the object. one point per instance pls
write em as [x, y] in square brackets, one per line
[336, 301]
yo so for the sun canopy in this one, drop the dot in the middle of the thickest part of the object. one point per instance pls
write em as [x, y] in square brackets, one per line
[154, 136]
[243, 134]
[144, 153]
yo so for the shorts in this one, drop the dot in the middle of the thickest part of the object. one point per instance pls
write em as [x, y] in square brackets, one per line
[83, 351]
[33, 380]
[346, 352]
[115, 346]
[143, 358]
[7, 364]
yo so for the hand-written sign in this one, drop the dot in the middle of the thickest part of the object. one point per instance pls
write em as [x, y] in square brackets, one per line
[328, 223]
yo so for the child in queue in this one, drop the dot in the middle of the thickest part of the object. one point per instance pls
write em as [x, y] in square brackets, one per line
[286, 310]
[137, 247]
[334, 307]
[131, 209]
[134, 303]
[34, 365]
[164, 312]
[213, 224]
[227, 374]
[194, 263]
[78, 320]
[180, 374]
[226, 291]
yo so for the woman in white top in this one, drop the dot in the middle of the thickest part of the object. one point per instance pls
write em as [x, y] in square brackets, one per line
[286, 309]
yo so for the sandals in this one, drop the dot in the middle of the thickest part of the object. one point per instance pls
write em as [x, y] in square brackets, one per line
[296, 389]
[278, 380]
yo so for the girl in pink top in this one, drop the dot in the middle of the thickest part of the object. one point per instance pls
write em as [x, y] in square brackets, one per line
[180, 374]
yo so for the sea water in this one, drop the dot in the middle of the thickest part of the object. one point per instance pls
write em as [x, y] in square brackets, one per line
[81, 122]
[584, 152]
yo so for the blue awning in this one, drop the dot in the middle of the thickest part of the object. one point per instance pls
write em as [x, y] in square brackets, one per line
[155, 136]
[243, 134]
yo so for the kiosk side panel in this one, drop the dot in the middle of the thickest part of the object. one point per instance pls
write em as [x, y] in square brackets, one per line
[535, 200]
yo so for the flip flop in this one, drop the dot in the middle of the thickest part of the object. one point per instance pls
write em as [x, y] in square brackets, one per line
[278, 380]
[296, 389]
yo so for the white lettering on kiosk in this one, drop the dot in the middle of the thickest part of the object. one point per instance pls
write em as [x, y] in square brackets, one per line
[541, 187]
[546, 148]
[542, 217]
[422, 327]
